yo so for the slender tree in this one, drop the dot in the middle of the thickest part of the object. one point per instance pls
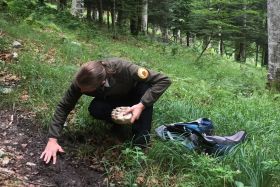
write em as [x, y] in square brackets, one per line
[61, 4]
[273, 7]
[144, 20]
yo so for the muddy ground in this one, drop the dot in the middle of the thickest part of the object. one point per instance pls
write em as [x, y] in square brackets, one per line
[21, 143]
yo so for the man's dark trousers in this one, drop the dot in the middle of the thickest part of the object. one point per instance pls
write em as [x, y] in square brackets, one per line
[101, 108]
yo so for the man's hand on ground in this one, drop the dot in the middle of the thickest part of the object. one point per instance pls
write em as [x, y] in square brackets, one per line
[50, 151]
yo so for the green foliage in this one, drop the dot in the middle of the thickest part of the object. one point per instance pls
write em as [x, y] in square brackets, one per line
[3, 44]
[236, 22]
[3, 5]
[134, 158]
[21, 8]
[232, 95]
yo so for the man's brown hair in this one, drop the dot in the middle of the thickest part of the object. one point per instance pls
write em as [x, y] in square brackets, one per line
[91, 74]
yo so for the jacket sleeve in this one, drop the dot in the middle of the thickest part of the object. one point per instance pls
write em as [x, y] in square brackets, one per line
[64, 107]
[158, 82]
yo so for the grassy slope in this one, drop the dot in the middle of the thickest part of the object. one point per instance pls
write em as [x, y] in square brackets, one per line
[232, 95]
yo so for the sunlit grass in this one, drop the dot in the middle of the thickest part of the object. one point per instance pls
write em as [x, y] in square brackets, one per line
[232, 95]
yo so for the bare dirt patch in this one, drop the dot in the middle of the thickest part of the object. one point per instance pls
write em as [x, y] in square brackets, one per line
[22, 142]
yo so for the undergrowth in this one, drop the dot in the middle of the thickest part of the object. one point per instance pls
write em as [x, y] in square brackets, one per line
[232, 95]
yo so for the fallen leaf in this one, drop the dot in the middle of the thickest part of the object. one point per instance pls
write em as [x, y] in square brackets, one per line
[5, 170]
[30, 164]
[2, 153]
[23, 145]
[140, 180]
[19, 157]
[6, 56]
[5, 160]
[152, 182]
[24, 97]
[8, 79]
[106, 182]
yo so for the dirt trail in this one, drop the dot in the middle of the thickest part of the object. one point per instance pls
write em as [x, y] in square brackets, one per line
[21, 143]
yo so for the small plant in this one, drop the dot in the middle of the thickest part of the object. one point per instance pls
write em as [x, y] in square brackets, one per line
[134, 157]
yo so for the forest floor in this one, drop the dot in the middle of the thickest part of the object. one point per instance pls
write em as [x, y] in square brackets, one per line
[21, 143]
[23, 138]
[54, 44]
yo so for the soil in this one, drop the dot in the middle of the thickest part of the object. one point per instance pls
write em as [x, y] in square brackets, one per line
[22, 141]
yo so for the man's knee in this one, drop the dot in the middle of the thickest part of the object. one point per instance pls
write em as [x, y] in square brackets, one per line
[92, 108]
[94, 113]
[100, 110]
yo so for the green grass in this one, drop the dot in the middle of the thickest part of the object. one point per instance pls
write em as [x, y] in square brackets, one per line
[232, 95]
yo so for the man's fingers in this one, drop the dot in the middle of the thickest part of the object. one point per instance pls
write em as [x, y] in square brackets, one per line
[42, 155]
[60, 150]
[128, 110]
[45, 157]
[54, 158]
[132, 119]
[49, 158]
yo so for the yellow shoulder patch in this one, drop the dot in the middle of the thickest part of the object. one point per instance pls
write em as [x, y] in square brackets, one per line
[143, 73]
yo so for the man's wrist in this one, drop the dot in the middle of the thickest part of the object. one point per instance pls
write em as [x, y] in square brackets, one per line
[52, 140]
[142, 106]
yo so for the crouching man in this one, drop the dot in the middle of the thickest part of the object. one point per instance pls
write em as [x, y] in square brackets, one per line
[112, 83]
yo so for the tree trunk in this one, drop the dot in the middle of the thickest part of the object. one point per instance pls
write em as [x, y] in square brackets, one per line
[221, 46]
[41, 2]
[257, 54]
[206, 45]
[108, 19]
[100, 12]
[175, 35]
[133, 26]
[61, 4]
[264, 55]
[120, 17]
[188, 39]
[240, 44]
[89, 12]
[206, 42]
[94, 14]
[139, 16]
[113, 14]
[76, 8]
[273, 7]
[73, 7]
[136, 19]
[89, 7]
[240, 53]
[164, 33]
[154, 30]
[139, 21]
[144, 16]
[180, 37]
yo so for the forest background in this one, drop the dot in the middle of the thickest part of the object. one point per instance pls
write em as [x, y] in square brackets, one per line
[216, 53]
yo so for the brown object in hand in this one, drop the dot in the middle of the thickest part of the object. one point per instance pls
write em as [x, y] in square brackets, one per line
[119, 117]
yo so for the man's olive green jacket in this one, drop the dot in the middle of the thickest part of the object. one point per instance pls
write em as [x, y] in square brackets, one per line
[117, 86]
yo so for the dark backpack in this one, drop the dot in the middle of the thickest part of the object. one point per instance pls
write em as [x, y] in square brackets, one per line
[198, 135]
